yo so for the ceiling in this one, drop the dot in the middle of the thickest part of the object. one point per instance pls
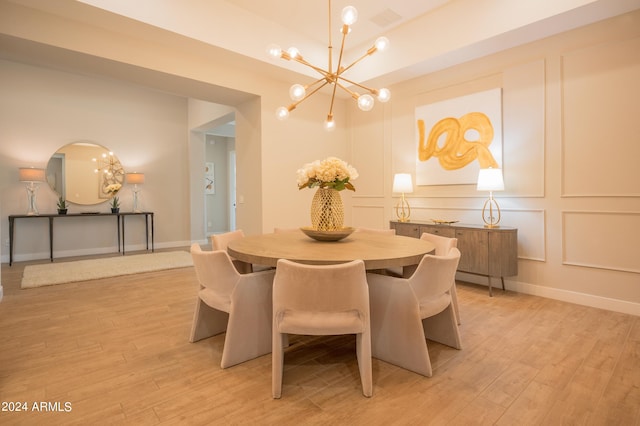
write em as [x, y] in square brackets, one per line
[310, 18]
[425, 35]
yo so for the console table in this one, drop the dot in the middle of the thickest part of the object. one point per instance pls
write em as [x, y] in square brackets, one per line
[488, 252]
[120, 228]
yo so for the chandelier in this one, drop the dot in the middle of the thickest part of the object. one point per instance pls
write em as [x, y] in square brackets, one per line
[109, 168]
[331, 76]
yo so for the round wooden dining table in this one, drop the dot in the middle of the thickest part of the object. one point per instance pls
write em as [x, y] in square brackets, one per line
[378, 251]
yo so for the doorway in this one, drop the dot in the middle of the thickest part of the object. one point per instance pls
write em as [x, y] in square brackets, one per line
[220, 179]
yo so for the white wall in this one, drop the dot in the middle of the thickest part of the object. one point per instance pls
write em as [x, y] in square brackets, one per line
[570, 160]
[42, 110]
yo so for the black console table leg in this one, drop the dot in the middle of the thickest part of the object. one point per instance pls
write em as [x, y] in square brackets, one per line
[11, 240]
[51, 238]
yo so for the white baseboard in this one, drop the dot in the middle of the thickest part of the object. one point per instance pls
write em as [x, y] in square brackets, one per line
[584, 299]
[89, 252]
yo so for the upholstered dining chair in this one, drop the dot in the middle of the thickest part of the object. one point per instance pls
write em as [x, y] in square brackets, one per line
[406, 311]
[443, 245]
[321, 300]
[221, 241]
[237, 303]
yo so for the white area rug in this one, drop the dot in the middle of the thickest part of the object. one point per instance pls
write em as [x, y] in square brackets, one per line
[93, 269]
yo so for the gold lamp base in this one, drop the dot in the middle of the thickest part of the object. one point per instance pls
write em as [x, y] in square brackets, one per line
[403, 210]
[490, 206]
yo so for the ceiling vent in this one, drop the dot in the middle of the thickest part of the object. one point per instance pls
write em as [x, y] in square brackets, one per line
[386, 18]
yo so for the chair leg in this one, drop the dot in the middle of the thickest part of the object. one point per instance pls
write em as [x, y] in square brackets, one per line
[207, 322]
[454, 302]
[399, 342]
[363, 352]
[277, 363]
[443, 328]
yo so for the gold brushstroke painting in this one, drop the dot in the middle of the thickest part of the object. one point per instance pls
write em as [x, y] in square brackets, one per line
[458, 137]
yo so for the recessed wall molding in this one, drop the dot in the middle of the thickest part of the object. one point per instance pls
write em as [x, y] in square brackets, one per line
[607, 232]
[599, 93]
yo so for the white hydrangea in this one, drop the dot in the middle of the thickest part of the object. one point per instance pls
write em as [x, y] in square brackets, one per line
[331, 172]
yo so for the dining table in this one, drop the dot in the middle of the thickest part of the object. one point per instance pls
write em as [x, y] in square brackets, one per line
[377, 250]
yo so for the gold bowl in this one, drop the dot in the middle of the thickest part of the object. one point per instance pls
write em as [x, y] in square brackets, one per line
[336, 235]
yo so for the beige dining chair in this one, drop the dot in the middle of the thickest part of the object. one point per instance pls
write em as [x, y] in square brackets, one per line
[443, 245]
[407, 311]
[221, 241]
[321, 300]
[239, 304]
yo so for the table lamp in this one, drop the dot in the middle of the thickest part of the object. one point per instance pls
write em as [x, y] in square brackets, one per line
[402, 184]
[490, 180]
[135, 178]
[32, 178]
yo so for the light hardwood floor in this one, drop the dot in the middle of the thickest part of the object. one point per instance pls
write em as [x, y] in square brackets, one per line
[117, 351]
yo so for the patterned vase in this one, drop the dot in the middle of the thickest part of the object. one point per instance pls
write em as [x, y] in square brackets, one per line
[327, 211]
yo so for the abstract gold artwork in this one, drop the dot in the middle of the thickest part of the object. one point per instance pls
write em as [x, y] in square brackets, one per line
[458, 137]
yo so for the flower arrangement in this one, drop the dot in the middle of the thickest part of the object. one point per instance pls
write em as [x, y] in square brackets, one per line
[331, 173]
[112, 189]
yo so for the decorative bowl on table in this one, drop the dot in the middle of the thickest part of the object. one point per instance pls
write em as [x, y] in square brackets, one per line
[336, 235]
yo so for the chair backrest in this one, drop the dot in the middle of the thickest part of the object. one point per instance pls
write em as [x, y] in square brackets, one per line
[220, 241]
[321, 288]
[214, 269]
[435, 274]
[377, 231]
[443, 244]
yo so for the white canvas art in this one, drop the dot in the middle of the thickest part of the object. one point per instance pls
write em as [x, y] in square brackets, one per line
[457, 137]
[209, 179]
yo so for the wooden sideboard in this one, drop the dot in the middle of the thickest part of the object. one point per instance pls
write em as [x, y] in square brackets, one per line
[489, 252]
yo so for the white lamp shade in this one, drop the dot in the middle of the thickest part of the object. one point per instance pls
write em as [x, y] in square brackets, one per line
[490, 180]
[135, 178]
[28, 174]
[402, 183]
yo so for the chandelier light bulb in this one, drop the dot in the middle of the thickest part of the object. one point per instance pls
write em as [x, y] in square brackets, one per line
[293, 52]
[274, 50]
[365, 102]
[382, 43]
[329, 124]
[349, 15]
[282, 113]
[297, 92]
[384, 95]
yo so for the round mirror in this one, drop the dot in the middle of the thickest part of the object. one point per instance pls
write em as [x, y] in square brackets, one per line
[81, 172]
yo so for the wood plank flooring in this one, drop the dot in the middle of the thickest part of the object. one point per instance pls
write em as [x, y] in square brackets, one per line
[116, 351]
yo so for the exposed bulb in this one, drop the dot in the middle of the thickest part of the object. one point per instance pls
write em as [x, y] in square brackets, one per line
[297, 92]
[329, 124]
[365, 102]
[382, 43]
[293, 52]
[384, 95]
[349, 15]
[274, 50]
[282, 113]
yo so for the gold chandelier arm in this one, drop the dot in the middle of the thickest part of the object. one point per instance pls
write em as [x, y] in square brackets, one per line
[308, 95]
[335, 77]
[318, 69]
[369, 52]
[330, 71]
[370, 90]
[352, 93]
